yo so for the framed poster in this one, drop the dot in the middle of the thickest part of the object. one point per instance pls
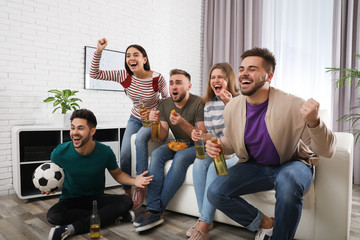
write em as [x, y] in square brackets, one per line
[110, 60]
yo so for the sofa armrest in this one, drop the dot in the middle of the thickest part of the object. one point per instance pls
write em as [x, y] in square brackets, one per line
[333, 187]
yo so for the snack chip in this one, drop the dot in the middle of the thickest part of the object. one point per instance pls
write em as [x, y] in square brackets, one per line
[177, 146]
[173, 112]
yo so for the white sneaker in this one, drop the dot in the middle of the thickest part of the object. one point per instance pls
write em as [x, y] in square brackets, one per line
[264, 234]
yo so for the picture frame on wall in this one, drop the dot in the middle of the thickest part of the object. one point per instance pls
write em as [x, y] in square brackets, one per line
[110, 60]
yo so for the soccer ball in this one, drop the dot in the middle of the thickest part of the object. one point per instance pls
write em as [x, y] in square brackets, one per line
[48, 177]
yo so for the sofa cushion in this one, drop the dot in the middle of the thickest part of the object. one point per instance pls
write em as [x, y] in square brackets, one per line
[259, 198]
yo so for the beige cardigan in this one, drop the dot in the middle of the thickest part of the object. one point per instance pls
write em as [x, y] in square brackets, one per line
[292, 138]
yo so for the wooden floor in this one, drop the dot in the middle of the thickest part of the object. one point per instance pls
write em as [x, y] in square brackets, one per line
[26, 220]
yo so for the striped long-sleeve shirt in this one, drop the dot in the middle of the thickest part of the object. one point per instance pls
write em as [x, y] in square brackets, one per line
[139, 88]
[213, 116]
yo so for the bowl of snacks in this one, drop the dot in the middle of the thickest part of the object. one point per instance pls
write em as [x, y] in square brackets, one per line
[177, 145]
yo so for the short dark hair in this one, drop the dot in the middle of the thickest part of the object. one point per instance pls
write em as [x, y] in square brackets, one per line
[85, 114]
[143, 52]
[264, 53]
[179, 71]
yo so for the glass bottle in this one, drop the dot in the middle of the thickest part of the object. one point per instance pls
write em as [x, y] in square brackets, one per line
[219, 161]
[145, 121]
[95, 223]
[155, 130]
[199, 144]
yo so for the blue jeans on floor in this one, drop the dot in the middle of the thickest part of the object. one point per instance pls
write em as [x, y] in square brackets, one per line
[290, 180]
[143, 136]
[162, 189]
[204, 174]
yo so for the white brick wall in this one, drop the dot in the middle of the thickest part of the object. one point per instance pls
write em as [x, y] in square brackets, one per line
[42, 48]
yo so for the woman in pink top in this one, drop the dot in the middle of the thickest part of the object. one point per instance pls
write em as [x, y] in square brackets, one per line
[139, 82]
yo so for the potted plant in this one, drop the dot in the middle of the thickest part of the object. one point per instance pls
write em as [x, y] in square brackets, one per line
[351, 75]
[64, 101]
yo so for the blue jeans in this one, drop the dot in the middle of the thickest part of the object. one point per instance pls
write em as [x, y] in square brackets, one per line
[204, 174]
[143, 136]
[290, 180]
[162, 189]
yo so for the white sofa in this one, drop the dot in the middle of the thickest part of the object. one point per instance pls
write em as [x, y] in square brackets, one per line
[326, 210]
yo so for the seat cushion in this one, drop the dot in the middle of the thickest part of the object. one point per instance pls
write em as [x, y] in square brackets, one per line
[260, 198]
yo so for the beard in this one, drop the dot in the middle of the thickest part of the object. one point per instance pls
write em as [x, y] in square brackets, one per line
[181, 97]
[257, 86]
[82, 142]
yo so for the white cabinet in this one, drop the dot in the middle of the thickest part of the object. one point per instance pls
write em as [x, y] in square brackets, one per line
[32, 146]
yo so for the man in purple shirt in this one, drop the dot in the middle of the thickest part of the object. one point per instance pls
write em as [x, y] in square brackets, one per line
[278, 138]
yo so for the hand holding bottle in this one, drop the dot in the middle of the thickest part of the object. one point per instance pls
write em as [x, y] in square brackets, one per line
[219, 160]
[144, 114]
[155, 125]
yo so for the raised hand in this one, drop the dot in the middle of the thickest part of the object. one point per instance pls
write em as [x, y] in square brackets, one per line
[310, 112]
[101, 44]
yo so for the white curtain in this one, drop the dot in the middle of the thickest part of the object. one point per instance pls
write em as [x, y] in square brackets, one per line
[306, 36]
[346, 42]
[300, 35]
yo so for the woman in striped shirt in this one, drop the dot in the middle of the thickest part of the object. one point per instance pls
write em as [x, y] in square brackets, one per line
[139, 82]
[221, 88]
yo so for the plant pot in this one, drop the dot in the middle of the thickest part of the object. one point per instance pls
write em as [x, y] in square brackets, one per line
[62, 120]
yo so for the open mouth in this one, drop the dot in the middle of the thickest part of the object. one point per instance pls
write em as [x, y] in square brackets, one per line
[133, 64]
[217, 88]
[175, 94]
[76, 139]
[245, 81]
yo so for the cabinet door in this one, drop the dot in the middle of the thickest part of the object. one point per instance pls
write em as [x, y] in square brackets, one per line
[37, 145]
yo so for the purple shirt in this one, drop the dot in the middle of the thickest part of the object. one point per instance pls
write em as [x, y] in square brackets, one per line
[257, 139]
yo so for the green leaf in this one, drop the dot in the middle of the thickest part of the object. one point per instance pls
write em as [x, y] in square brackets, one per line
[55, 91]
[73, 93]
[49, 99]
[75, 104]
[74, 99]
[57, 102]
[67, 93]
[55, 109]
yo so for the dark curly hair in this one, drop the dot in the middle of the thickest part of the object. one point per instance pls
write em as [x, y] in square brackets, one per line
[85, 114]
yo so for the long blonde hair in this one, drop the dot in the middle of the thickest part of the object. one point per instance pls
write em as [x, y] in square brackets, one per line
[232, 84]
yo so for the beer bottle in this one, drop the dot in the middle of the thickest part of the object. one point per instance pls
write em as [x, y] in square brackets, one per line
[199, 144]
[145, 122]
[155, 130]
[219, 161]
[95, 223]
